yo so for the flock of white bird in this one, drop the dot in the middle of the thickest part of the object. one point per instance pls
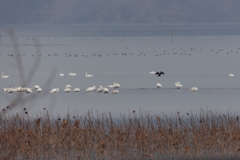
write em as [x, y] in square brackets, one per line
[100, 89]
[179, 85]
[115, 86]
[74, 74]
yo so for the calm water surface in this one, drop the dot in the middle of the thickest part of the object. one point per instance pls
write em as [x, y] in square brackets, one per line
[195, 59]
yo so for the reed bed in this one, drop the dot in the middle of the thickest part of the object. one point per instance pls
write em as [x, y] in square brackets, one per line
[137, 135]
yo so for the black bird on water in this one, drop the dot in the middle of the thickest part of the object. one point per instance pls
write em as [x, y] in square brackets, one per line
[159, 73]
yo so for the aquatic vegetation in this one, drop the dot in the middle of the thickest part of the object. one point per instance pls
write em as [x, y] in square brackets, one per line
[133, 136]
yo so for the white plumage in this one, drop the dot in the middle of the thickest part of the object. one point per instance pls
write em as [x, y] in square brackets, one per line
[39, 89]
[100, 88]
[88, 75]
[178, 85]
[159, 85]
[54, 90]
[72, 74]
[68, 86]
[76, 89]
[152, 72]
[105, 90]
[90, 89]
[4, 76]
[193, 89]
[28, 90]
[115, 91]
[36, 86]
[116, 85]
[67, 90]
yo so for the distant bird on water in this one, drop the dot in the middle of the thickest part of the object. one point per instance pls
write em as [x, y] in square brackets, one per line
[88, 75]
[159, 73]
[152, 72]
[159, 85]
[178, 85]
[193, 89]
[4, 76]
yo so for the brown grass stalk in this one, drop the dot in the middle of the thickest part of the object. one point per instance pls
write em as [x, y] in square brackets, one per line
[133, 136]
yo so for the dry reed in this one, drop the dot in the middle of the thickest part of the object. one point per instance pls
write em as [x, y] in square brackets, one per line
[132, 136]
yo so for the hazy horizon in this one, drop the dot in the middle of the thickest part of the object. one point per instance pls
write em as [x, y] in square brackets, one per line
[118, 12]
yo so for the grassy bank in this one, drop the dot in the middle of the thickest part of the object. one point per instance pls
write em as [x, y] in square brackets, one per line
[137, 135]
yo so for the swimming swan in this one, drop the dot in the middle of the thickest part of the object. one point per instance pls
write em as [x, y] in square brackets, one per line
[54, 90]
[159, 85]
[72, 74]
[178, 85]
[110, 86]
[116, 85]
[4, 76]
[152, 72]
[67, 90]
[68, 86]
[28, 90]
[88, 75]
[39, 89]
[100, 89]
[76, 89]
[36, 87]
[231, 75]
[105, 90]
[193, 89]
[90, 89]
[115, 91]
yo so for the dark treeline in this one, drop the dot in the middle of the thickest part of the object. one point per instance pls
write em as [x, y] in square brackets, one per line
[118, 11]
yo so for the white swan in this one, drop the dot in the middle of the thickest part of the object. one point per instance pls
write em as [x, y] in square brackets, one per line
[76, 89]
[105, 90]
[14, 89]
[88, 75]
[4, 76]
[90, 89]
[67, 90]
[231, 75]
[159, 85]
[72, 74]
[100, 88]
[61, 74]
[28, 90]
[110, 86]
[68, 86]
[19, 89]
[152, 72]
[178, 85]
[39, 89]
[9, 90]
[115, 91]
[54, 90]
[36, 87]
[193, 89]
[116, 85]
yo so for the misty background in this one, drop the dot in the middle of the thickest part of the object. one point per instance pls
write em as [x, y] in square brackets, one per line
[118, 11]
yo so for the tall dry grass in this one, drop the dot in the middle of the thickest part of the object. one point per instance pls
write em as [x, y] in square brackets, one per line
[133, 136]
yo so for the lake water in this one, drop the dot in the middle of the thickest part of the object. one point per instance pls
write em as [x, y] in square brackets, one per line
[201, 56]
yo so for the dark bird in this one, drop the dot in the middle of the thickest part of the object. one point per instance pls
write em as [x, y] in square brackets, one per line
[159, 73]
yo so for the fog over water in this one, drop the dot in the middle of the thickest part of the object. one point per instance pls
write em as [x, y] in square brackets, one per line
[118, 11]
